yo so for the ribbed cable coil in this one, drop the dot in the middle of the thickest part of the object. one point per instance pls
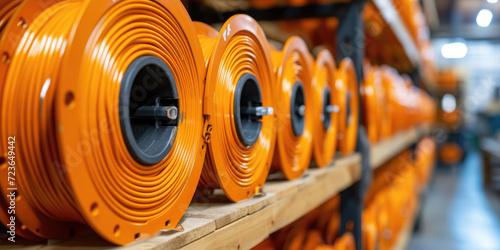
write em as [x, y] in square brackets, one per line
[347, 87]
[240, 49]
[292, 66]
[382, 107]
[8, 9]
[325, 131]
[73, 166]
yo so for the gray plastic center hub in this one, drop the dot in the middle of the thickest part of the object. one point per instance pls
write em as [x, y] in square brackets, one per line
[247, 102]
[149, 110]
[297, 109]
[327, 118]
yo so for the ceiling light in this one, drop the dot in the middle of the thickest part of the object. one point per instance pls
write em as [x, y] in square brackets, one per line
[484, 18]
[492, 1]
[449, 103]
[454, 50]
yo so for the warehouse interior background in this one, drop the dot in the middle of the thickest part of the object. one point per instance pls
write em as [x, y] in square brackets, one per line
[462, 210]
[435, 183]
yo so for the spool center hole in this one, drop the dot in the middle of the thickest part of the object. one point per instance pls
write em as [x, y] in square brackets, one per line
[297, 112]
[327, 119]
[248, 98]
[149, 94]
[348, 111]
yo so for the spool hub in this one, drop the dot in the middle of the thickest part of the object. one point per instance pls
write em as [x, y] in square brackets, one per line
[327, 119]
[149, 110]
[298, 109]
[248, 110]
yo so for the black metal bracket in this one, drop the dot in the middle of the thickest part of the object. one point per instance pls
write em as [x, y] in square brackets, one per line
[352, 199]
[203, 13]
[351, 43]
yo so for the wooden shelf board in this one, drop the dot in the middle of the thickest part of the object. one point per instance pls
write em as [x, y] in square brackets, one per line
[215, 222]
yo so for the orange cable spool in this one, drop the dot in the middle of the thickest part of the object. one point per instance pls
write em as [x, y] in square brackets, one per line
[8, 8]
[369, 102]
[347, 87]
[295, 108]
[370, 233]
[382, 107]
[388, 78]
[313, 240]
[326, 109]
[450, 153]
[241, 127]
[77, 161]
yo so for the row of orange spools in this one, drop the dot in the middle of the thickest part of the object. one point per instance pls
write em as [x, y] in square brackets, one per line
[391, 103]
[392, 200]
[115, 109]
[380, 40]
[317, 230]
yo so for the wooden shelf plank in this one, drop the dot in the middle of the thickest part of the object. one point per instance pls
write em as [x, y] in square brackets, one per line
[312, 190]
[215, 222]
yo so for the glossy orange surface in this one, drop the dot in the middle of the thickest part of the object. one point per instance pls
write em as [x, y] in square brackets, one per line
[293, 64]
[325, 141]
[347, 87]
[74, 168]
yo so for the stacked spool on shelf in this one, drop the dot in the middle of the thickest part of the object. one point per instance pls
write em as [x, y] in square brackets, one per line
[407, 106]
[381, 107]
[347, 88]
[239, 107]
[326, 109]
[424, 160]
[369, 101]
[294, 107]
[392, 199]
[369, 227]
[318, 229]
[392, 81]
[329, 221]
[105, 77]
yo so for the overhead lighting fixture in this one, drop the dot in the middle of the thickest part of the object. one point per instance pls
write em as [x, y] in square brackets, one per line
[449, 103]
[484, 18]
[492, 1]
[454, 50]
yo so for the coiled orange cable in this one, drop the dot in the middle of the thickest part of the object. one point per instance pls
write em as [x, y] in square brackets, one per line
[293, 67]
[347, 87]
[238, 50]
[382, 107]
[325, 132]
[8, 8]
[73, 166]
